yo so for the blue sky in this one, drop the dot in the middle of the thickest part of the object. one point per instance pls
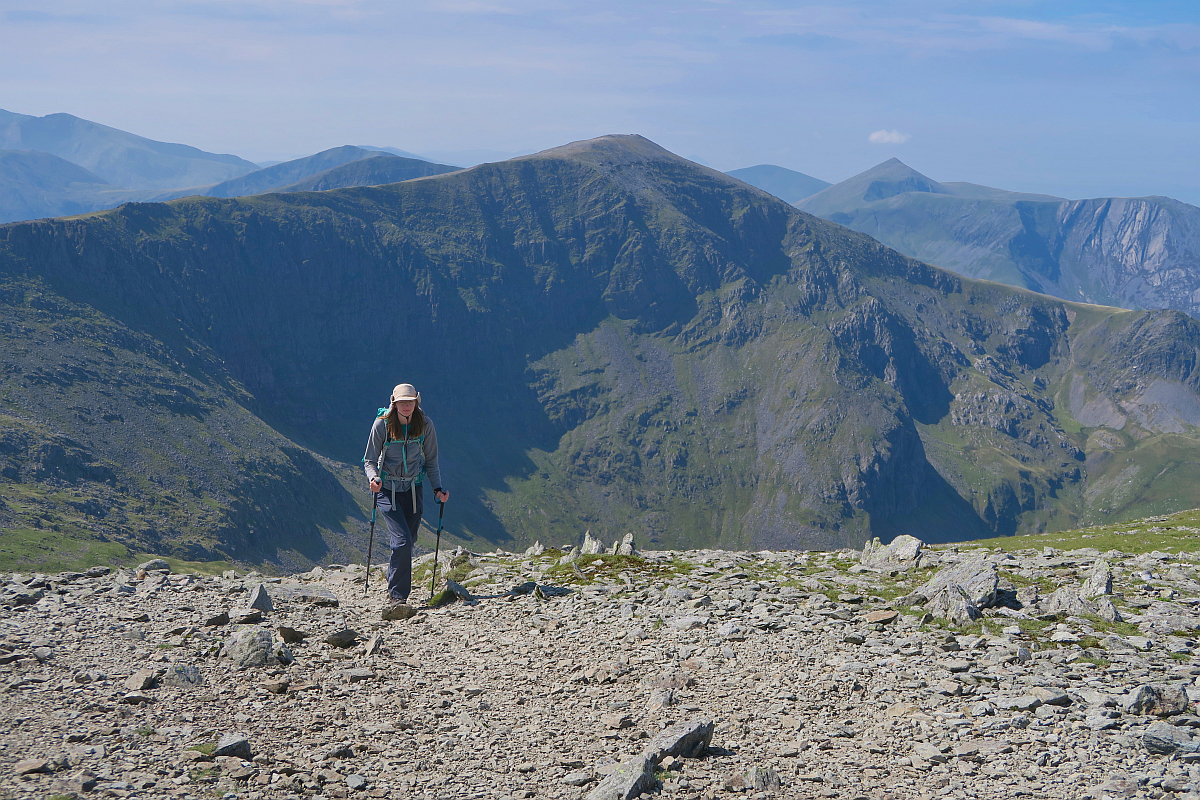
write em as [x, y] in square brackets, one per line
[1079, 99]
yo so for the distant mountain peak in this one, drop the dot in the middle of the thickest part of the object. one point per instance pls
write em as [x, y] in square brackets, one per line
[627, 147]
[880, 182]
[786, 184]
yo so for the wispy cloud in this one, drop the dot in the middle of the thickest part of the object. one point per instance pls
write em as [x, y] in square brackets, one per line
[888, 137]
[32, 15]
[803, 41]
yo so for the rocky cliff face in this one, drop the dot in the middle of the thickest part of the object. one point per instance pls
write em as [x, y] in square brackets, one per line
[608, 338]
[1131, 252]
[1128, 252]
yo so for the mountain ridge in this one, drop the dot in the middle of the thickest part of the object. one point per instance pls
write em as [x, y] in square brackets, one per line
[788, 185]
[1129, 252]
[667, 350]
[107, 152]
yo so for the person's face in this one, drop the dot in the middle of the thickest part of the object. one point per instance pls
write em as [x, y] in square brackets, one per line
[405, 407]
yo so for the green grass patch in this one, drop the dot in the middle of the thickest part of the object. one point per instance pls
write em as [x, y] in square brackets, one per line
[1097, 661]
[48, 550]
[588, 569]
[1107, 626]
[1166, 533]
[180, 566]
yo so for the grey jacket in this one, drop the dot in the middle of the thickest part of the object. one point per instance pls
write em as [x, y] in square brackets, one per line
[401, 472]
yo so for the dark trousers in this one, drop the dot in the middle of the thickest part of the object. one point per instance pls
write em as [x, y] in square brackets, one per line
[402, 524]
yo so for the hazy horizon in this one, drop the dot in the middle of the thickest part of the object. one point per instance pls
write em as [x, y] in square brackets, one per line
[1076, 100]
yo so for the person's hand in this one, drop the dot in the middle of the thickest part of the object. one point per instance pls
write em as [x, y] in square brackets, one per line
[442, 496]
[376, 484]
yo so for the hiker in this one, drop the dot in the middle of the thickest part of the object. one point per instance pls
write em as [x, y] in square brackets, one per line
[407, 438]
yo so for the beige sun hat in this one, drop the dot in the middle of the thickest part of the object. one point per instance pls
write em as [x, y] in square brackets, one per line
[405, 391]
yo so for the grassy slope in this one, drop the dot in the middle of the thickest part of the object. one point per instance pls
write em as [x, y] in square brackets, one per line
[111, 447]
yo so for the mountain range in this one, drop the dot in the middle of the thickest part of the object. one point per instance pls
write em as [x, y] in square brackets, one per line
[1141, 252]
[786, 184]
[119, 158]
[609, 338]
[60, 165]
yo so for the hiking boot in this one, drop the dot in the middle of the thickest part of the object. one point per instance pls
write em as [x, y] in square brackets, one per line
[399, 611]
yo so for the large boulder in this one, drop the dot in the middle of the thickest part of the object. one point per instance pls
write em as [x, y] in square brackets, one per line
[255, 647]
[902, 553]
[629, 780]
[1066, 600]
[1098, 581]
[1159, 699]
[952, 604]
[977, 578]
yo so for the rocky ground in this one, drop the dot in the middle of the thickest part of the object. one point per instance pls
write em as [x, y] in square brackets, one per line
[1042, 674]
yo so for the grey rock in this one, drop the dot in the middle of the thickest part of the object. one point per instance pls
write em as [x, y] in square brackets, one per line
[1098, 581]
[629, 780]
[1066, 600]
[688, 739]
[577, 778]
[763, 779]
[183, 676]
[356, 783]
[136, 699]
[1025, 702]
[460, 591]
[930, 752]
[144, 678]
[1107, 611]
[291, 635]
[234, 744]
[397, 612]
[1051, 696]
[30, 766]
[343, 638]
[309, 595]
[902, 553]
[154, 565]
[625, 547]
[250, 647]
[1164, 738]
[1116, 644]
[591, 546]
[217, 620]
[260, 599]
[1117, 787]
[1158, 699]
[1098, 720]
[952, 603]
[977, 578]
[360, 674]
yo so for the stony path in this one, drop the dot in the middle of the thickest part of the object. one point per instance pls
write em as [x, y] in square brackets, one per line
[822, 677]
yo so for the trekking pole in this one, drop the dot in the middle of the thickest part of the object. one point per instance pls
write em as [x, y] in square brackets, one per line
[371, 541]
[437, 546]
